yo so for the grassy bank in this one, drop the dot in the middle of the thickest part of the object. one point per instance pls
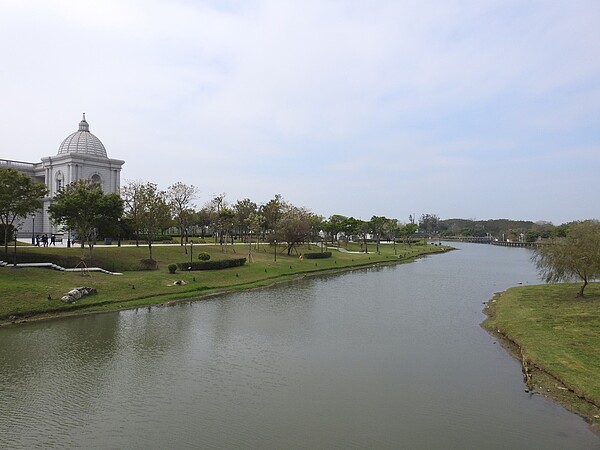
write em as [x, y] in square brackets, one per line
[27, 293]
[556, 336]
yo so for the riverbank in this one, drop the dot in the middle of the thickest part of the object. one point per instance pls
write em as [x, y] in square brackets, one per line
[555, 337]
[28, 294]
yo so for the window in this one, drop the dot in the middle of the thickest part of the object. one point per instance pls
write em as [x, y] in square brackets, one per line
[60, 182]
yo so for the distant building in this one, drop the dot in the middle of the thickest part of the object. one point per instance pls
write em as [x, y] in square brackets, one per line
[80, 156]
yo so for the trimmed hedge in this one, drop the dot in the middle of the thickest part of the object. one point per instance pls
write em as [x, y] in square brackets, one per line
[203, 256]
[212, 265]
[317, 255]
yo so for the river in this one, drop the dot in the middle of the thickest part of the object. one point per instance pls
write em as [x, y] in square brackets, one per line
[389, 357]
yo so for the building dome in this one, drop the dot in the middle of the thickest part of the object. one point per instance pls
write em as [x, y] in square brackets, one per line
[82, 141]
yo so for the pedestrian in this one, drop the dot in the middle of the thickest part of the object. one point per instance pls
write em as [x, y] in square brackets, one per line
[45, 240]
[53, 240]
[37, 240]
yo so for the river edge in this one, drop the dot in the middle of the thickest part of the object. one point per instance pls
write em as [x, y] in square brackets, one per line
[540, 381]
[159, 300]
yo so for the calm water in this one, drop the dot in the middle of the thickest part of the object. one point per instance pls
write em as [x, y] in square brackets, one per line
[382, 358]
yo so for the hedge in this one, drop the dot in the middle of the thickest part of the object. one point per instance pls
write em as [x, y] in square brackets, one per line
[317, 255]
[212, 265]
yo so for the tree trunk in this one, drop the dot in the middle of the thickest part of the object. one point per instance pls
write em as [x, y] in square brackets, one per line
[6, 241]
[585, 283]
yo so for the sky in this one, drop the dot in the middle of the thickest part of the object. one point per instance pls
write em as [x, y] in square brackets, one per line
[463, 109]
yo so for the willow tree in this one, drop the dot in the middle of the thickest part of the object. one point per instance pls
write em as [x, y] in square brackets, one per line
[19, 197]
[574, 257]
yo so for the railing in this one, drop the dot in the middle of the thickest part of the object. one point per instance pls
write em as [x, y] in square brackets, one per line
[17, 164]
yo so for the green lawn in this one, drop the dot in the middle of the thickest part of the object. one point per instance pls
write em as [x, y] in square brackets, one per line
[557, 333]
[24, 291]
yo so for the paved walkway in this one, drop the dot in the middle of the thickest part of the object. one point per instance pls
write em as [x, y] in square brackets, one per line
[57, 267]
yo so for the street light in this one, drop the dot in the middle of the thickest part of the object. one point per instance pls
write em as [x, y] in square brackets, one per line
[33, 230]
[250, 247]
[119, 224]
[275, 250]
[15, 230]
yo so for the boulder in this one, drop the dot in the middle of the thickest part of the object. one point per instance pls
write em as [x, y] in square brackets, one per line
[75, 294]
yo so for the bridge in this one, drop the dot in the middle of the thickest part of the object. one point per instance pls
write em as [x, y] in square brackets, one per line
[490, 240]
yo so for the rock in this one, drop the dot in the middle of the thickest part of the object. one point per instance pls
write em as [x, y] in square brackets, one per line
[77, 293]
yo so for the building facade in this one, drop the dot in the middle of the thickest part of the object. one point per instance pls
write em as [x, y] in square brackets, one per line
[81, 155]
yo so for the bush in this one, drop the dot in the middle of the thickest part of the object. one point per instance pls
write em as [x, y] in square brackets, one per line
[203, 256]
[212, 265]
[148, 264]
[317, 255]
[172, 268]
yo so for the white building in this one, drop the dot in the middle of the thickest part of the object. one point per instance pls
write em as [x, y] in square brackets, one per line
[80, 156]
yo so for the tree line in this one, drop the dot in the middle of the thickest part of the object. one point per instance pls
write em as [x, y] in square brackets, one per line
[144, 212]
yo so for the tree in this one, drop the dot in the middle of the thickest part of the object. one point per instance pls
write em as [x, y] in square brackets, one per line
[295, 225]
[243, 210]
[254, 223]
[334, 226]
[180, 197]
[83, 208]
[407, 231]
[576, 256]
[350, 228]
[377, 226]
[203, 219]
[19, 197]
[153, 213]
[272, 212]
[131, 195]
[221, 217]
[429, 223]
[363, 229]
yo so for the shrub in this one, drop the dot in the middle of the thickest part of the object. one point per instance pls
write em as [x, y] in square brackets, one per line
[148, 264]
[212, 265]
[172, 268]
[317, 255]
[203, 256]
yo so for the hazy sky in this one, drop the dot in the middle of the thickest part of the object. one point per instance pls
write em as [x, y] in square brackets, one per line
[472, 109]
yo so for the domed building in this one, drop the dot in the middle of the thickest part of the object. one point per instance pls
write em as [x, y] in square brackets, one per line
[81, 155]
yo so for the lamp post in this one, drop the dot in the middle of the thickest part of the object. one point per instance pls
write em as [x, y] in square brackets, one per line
[15, 237]
[250, 247]
[119, 230]
[275, 250]
[191, 251]
[33, 230]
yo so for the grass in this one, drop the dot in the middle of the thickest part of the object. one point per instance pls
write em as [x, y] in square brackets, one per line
[558, 337]
[24, 292]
